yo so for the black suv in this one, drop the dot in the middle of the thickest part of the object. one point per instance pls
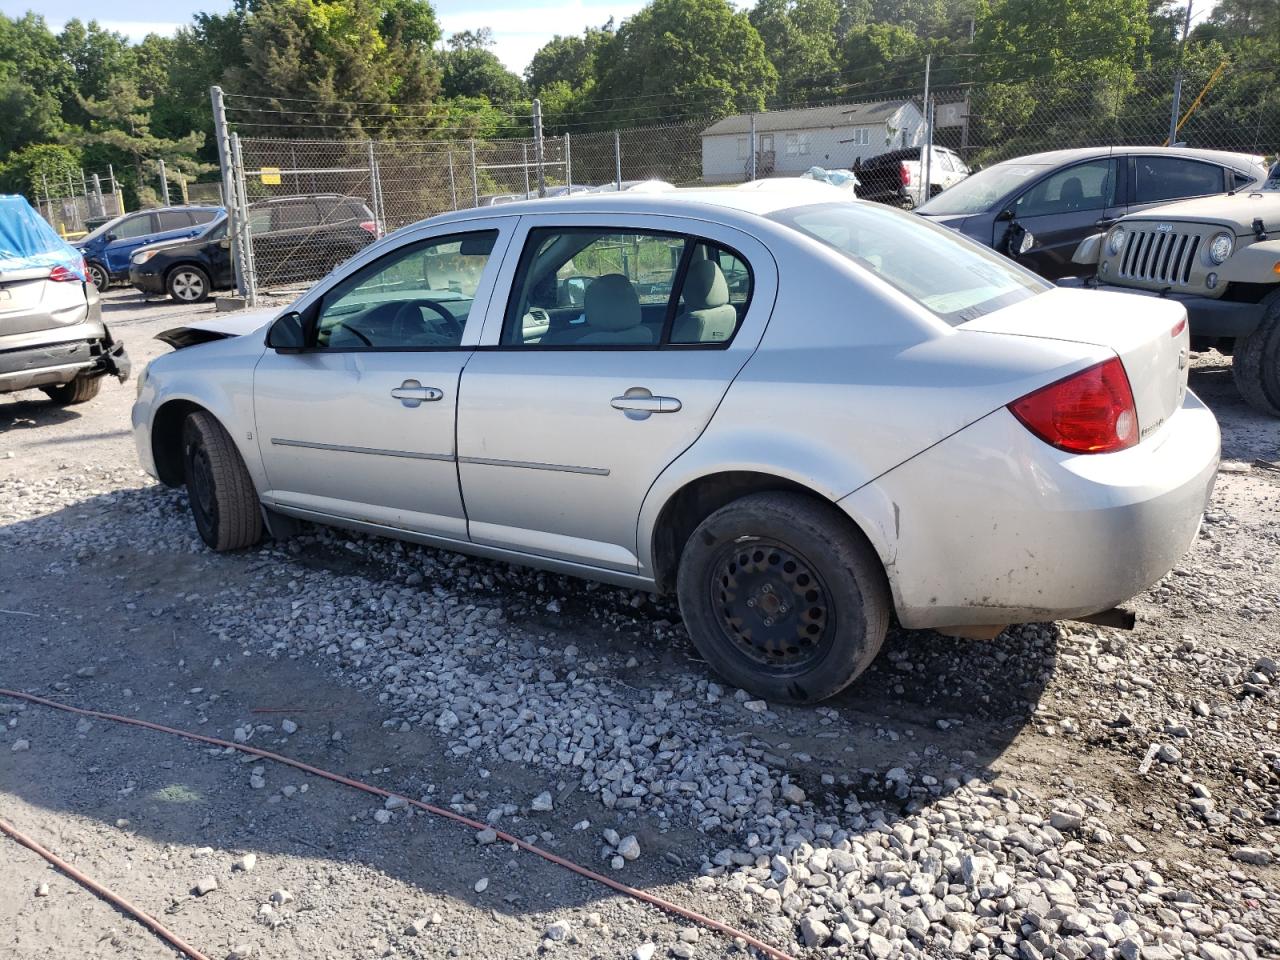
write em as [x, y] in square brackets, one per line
[295, 239]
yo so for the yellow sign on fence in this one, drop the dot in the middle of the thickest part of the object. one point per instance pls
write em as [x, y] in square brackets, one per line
[270, 176]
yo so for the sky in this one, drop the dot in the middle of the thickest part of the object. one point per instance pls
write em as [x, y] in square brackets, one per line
[520, 27]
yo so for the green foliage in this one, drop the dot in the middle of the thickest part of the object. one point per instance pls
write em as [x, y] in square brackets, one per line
[29, 169]
[567, 60]
[471, 70]
[677, 57]
[800, 37]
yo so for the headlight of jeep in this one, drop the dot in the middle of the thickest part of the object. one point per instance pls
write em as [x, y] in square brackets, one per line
[143, 257]
[1221, 247]
[1115, 242]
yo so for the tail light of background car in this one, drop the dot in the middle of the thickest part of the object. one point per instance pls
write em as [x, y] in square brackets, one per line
[372, 226]
[1088, 412]
[904, 174]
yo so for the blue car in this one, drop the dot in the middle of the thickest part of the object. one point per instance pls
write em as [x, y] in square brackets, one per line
[107, 249]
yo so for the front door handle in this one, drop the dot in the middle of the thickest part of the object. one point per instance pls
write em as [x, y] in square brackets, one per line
[412, 393]
[645, 403]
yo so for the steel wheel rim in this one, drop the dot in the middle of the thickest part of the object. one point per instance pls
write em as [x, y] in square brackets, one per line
[98, 277]
[772, 605]
[201, 486]
[187, 285]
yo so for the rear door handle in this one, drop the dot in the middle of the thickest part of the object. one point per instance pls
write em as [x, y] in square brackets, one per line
[643, 404]
[412, 393]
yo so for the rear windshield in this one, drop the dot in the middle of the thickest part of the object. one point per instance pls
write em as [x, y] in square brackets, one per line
[957, 279]
[983, 190]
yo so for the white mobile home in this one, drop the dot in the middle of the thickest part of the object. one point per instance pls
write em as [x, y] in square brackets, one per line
[789, 142]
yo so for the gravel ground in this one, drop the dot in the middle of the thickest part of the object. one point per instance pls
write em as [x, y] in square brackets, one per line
[1064, 791]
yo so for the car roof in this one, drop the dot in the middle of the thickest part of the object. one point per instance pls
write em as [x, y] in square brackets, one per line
[1058, 157]
[745, 202]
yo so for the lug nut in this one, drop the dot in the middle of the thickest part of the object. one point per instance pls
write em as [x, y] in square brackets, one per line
[751, 602]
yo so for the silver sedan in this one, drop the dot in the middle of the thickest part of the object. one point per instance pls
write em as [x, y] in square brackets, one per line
[804, 415]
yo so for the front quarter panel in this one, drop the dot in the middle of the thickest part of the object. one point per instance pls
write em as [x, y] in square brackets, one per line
[216, 376]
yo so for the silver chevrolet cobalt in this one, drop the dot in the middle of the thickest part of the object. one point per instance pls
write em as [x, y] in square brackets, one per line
[803, 414]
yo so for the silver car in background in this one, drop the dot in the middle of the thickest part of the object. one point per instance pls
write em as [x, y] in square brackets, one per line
[804, 415]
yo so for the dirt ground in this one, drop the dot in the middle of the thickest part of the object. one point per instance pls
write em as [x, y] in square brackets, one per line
[107, 601]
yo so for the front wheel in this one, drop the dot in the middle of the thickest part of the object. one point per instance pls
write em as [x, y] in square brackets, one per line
[783, 597]
[99, 277]
[219, 488]
[1255, 363]
[188, 284]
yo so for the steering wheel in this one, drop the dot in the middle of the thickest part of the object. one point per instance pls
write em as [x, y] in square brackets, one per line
[353, 331]
[403, 315]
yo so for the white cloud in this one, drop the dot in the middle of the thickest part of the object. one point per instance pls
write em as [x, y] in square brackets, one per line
[518, 32]
[135, 30]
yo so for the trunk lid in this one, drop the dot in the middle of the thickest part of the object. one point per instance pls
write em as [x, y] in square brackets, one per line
[1148, 334]
[30, 301]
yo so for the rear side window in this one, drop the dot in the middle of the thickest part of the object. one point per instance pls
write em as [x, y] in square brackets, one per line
[294, 214]
[1172, 178]
[174, 219]
[138, 226]
[955, 279]
[592, 289]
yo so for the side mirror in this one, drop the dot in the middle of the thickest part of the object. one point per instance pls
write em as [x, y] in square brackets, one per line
[1019, 240]
[286, 334]
[1005, 214]
[111, 238]
[573, 293]
[225, 244]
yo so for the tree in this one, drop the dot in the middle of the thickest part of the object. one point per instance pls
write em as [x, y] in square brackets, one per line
[317, 59]
[677, 58]
[567, 60]
[800, 37]
[472, 70]
[36, 166]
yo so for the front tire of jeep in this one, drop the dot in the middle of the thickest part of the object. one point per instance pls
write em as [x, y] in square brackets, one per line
[1256, 362]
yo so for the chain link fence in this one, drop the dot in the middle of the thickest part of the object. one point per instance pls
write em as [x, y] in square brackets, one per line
[74, 207]
[311, 203]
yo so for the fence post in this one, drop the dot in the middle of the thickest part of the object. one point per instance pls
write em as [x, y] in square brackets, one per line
[115, 189]
[242, 216]
[475, 176]
[568, 168]
[537, 146]
[101, 210]
[524, 155]
[234, 221]
[751, 146]
[617, 159]
[374, 200]
[453, 187]
[1177, 82]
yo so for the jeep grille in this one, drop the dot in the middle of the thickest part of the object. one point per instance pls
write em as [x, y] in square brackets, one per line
[1155, 256]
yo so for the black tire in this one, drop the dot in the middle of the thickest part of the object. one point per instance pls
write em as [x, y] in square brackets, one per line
[783, 596]
[187, 283]
[79, 390]
[99, 276]
[223, 502]
[1255, 363]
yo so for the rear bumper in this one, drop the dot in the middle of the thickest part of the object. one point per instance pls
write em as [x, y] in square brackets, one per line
[1208, 317]
[48, 364]
[148, 281]
[992, 526]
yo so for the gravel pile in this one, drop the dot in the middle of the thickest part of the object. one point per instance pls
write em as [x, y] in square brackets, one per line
[1146, 824]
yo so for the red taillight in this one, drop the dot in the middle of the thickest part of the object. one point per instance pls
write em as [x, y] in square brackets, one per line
[61, 274]
[1088, 412]
[371, 226]
[904, 174]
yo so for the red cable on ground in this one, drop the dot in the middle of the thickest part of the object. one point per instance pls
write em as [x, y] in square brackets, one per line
[142, 917]
[648, 898]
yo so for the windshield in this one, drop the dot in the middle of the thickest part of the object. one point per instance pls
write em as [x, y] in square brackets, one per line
[983, 190]
[957, 279]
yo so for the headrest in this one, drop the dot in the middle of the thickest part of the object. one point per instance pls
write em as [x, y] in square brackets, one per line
[1072, 189]
[705, 286]
[611, 303]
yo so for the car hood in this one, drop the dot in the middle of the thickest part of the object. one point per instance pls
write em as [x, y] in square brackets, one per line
[1235, 211]
[217, 328]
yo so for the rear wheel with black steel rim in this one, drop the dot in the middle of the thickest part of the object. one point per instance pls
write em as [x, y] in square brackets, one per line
[223, 502]
[187, 284]
[783, 596]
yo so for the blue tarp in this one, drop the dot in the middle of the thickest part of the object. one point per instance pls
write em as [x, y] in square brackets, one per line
[28, 242]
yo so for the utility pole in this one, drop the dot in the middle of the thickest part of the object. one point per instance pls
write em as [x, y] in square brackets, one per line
[617, 158]
[751, 147]
[1177, 80]
[234, 226]
[164, 184]
[928, 62]
[537, 146]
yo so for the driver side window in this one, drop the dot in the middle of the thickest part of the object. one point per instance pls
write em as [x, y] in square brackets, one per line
[415, 298]
[1085, 186]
